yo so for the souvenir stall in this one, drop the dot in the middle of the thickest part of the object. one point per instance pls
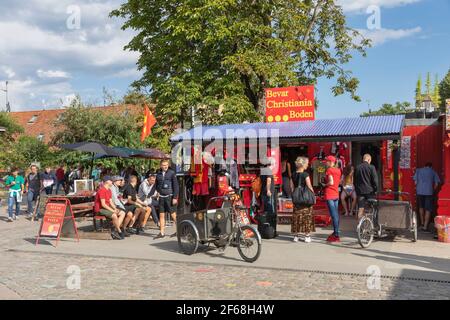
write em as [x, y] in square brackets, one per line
[347, 139]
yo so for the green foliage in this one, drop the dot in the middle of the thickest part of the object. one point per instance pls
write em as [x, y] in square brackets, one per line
[136, 98]
[389, 109]
[436, 95]
[80, 123]
[444, 90]
[7, 138]
[27, 150]
[428, 84]
[419, 92]
[219, 55]
[11, 127]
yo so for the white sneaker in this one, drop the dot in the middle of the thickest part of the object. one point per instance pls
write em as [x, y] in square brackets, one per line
[308, 239]
[10, 219]
[295, 239]
[14, 217]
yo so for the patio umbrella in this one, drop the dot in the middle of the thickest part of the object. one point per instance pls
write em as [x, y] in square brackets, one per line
[96, 148]
[150, 153]
[154, 153]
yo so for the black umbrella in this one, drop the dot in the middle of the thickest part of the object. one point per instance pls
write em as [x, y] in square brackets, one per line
[95, 148]
[153, 153]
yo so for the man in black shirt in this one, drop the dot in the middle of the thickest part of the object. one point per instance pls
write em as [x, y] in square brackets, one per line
[168, 190]
[366, 182]
[33, 186]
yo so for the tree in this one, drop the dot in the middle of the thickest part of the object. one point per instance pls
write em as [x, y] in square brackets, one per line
[444, 90]
[11, 127]
[7, 138]
[428, 84]
[81, 123]
[27, 150]
[419, 92]
[389, 109]
[136, 97]
[436, 94]
[214, 55]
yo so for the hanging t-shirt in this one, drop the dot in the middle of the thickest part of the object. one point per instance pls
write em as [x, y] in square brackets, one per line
[332, 192]
[319, 169]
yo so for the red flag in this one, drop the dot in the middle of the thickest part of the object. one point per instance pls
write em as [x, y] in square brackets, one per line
[149, 122]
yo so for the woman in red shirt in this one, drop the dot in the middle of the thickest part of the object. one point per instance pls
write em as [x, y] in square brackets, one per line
[332, 180]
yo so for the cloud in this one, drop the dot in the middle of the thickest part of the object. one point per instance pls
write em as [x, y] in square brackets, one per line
[360, 6]
[381, 36]
[7, 72]
[45, 57]
[52, 74]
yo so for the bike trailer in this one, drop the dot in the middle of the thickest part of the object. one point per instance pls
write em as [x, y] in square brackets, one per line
[394, 214]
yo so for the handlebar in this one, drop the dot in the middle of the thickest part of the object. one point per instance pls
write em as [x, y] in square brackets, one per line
[226, 198]
[399, 193]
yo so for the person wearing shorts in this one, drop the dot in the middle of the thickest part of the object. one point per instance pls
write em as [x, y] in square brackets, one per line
[427, 182]
[168, 189]
[104, 206]
[366, 183]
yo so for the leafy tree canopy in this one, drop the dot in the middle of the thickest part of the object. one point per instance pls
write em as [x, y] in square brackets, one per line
[389, 109]
[220, 54]
[444, 90]
[82, 123]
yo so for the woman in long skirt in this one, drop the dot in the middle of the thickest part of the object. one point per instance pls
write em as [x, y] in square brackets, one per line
[302, 218]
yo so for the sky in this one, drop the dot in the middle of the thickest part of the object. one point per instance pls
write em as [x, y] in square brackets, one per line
[51, 50]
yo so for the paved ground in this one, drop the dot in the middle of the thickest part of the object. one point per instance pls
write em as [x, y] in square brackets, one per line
[142, 268]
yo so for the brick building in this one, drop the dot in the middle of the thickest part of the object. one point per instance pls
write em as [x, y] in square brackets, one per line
[41, 124]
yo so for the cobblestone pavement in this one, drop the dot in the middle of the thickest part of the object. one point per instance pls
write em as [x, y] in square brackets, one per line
[45, 276]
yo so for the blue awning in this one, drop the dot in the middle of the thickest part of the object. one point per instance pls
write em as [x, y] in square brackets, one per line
[347, 129]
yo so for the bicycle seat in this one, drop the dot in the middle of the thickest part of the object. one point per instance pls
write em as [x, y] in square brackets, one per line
[372, 201]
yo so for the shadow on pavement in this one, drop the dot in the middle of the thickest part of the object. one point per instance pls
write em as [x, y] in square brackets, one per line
[434, 263]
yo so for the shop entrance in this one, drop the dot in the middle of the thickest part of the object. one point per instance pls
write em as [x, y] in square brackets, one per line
[373, 148]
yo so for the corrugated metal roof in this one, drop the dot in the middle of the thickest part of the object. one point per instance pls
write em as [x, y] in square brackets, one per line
[348, 127]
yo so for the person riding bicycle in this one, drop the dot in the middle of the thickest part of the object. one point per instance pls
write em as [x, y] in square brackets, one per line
[366, 182]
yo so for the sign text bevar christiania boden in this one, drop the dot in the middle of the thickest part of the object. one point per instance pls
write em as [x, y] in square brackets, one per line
[290, 104]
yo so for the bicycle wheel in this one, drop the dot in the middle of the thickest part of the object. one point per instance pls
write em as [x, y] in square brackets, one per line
[248, 243]
[365, 230]
[188, 237]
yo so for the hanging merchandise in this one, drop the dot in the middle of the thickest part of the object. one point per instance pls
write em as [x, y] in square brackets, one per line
[319, 168]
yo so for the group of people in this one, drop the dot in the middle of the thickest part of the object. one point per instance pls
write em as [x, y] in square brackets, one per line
[130, 205]
[358, 185]
[30, 187]
[124, 199]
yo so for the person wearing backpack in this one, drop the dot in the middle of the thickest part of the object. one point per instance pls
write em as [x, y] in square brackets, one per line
[303, 199]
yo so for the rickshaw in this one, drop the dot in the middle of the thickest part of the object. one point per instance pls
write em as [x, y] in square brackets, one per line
[223, 223]
[384, 217]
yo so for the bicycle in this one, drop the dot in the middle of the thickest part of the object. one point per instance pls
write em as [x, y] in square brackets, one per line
[223, 227]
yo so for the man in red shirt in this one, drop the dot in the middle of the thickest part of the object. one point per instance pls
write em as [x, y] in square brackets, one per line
[104, 206]
[332, 180]
[60, 177]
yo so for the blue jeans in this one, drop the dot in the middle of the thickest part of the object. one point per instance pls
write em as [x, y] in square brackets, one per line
[49, 190]
[12, 199]
[334, 213]
[58, 184]
[30, 198]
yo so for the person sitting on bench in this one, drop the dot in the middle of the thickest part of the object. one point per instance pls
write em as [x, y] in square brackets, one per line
[104, 206]
[147, 194]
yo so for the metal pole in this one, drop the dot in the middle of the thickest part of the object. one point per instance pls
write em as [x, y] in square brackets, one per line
[6, 91]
